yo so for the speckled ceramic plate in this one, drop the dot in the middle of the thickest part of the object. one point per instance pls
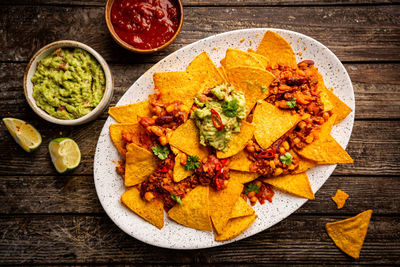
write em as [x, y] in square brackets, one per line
[110, 186]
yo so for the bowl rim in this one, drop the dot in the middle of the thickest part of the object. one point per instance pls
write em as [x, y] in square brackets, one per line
[107, 13]
[108, 91]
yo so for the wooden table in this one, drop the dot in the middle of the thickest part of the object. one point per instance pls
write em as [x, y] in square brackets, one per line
[46, 218]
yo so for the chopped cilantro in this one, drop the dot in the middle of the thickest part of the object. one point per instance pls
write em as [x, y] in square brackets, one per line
[252, 187]
[177, 199]
[291, 103]
[230, 108]
[287, 158]
[192, 163]
[161, 152]
[264, 88]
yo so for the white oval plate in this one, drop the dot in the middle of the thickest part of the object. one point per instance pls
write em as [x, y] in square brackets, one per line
[110, 187]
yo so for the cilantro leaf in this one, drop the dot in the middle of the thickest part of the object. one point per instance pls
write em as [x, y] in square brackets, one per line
[160, 151]
[252, 187]
[264, 88]
[287, 158]
[229, 109]
[177, 199]
[192, 163]
[291, 103]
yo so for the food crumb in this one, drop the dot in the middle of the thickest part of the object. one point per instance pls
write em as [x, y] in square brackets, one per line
[60, 133]
[214, 48]
[242, 40]
[257, 34]
[251, 41]
[298, 40]
[305, 48]
[300, 54]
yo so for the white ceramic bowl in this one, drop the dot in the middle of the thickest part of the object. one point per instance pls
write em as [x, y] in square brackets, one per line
[48, 49]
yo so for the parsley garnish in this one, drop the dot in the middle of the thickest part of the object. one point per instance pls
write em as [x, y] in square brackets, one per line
[192, 163]
[287, 158]
[230, 108]
[252, 187]
[291, 103]
[177, 199]
[161, 152]
[264, 88]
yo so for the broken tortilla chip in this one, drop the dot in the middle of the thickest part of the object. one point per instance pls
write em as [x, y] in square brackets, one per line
[130, 113]
[349, 234]
[139, 164]
[150, 211]
[243, 177]
[194, 211]
[277, 50]
[339, 107]
[235, 227]
[222, 203]
[253, 82]
[239, 140]
[340, 198]
[295, 184]
[180, 172]
[236, 58]
[187, 139]
[241, 208]
[240, 162]
[271, 123]
[135, 129]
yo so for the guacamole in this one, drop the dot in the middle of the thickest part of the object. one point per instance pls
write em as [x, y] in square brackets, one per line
[218, 115]
[68, 84]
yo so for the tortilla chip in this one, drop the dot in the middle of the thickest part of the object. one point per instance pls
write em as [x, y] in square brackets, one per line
[271, 123]
[235, 227]
[174, 150]
[130, 113]
[204, 72]
[176, 85]
[194, 211]
[277, 50]
[139, 164]
[221, 70]
[349, 234]
[223, 63]
[243, 177]
[295, 184]
[240, 162]
[241, 208]
[179, 170]
[187, 139]
[263, 60]
[252, 82]
[116, 134]
[339, 107]
[236, 58]
[304, 164]
[340, 198]
[150, 211]
[222, 203]
[239, 140]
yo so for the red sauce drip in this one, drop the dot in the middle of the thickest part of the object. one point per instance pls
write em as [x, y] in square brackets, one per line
[145, 24]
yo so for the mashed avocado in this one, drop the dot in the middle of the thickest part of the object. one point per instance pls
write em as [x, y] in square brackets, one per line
[68, 84]
[231, 108]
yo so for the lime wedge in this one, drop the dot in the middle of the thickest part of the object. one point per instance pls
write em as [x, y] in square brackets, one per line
[23, 133]
[65, 154]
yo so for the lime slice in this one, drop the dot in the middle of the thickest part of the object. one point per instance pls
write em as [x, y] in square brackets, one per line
[65, 154]
[23, 133]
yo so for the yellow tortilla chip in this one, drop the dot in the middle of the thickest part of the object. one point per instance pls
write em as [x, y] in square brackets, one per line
[241, 208]
[253, 82]
[271, 123]
[179, 170]
[240, 162]
[174, 150]
[194, 211]
[130, 113]
[223, 63]
[263, 60]
[322, 88]
[186, 138]
[139, 164]
[339, 107]
[176, 85]
[340, 198]
[236, 58]
[242, 177]
[349, 234]
[222, 203]
[116, 134]
[295, 184]
[277, 50]
[304, 164]
[235, 227]
[239, 140]
[150, 211]
[221, 70]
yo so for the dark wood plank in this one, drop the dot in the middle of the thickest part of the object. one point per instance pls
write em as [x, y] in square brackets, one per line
[354, 33]
[82, 239]
[77, 194]
[376, 86]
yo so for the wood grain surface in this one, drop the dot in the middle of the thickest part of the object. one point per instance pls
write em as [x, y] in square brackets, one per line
[52, 219]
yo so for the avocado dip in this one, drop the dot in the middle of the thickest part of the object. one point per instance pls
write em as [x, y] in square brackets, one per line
[68, 84]
[218, 115]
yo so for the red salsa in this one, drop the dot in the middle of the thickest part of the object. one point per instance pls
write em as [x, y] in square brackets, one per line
[145, 24]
